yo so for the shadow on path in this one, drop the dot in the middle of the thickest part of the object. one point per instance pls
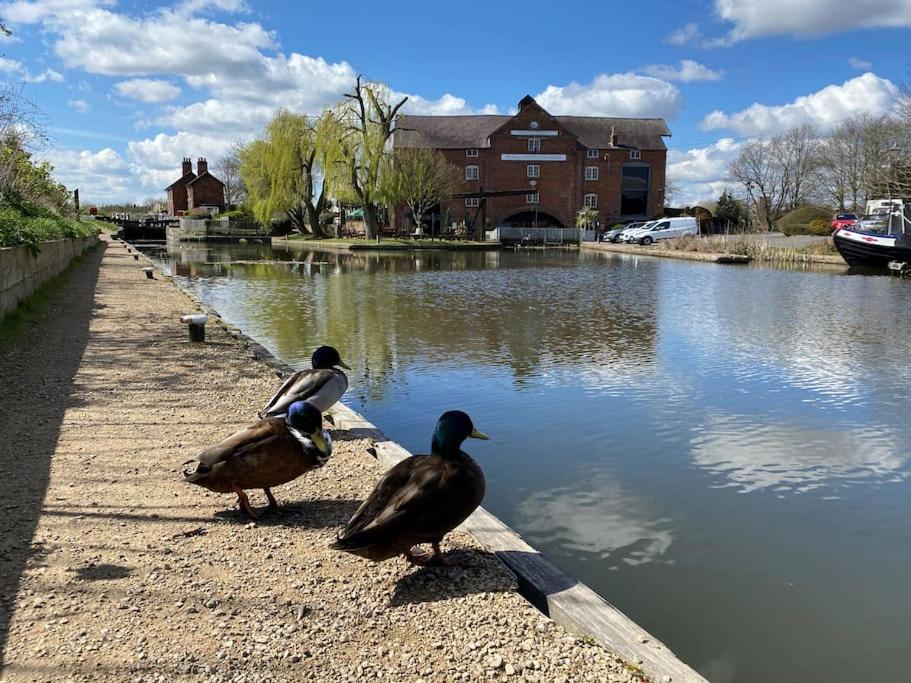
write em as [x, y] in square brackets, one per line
[38, 364]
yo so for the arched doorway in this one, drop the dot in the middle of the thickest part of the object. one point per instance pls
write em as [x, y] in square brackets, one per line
[531, 219]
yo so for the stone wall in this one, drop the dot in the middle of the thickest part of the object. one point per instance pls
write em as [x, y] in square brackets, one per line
[21, 273]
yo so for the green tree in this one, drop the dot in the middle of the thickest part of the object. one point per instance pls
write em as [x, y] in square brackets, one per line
[729, 208]
[359, 154]
[281, 172]
[586, 218]
[420, 178]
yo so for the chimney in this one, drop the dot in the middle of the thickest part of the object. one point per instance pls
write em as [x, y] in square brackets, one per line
[186, 167]
[614, 138]
[201, 166]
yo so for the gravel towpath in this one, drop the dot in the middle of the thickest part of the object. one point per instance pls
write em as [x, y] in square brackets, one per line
[112, 569]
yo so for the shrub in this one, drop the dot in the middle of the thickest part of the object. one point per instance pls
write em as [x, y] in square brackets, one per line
[797, 221]
[25, 224]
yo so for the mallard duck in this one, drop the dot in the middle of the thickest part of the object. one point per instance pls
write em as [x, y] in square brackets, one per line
[269, 453]
[322, 385]
[419, 500]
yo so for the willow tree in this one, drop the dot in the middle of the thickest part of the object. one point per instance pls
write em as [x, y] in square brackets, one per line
[359, 152]
[281, 172]
[420, 178]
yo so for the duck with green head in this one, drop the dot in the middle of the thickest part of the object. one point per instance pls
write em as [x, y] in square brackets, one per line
[268, 453]
[323, 384]
[419, 500]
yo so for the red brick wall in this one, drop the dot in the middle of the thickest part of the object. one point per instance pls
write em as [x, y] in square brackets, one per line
[561, 185]
[206, 191]
[177, 200]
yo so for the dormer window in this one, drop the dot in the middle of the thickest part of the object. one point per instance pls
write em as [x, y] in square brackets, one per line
[534, 145]
[471, 152]
[635, 154]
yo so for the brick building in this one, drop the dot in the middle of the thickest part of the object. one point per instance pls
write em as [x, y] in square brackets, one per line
[195, 190]
[615, 166]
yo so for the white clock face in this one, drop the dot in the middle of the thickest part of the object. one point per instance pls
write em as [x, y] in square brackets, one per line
[533, 124]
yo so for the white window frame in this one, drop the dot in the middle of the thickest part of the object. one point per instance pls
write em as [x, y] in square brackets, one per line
[591, 153]
[592, 173]
[533, 171]
[590, 201]
[635, 154]
[472, 202]
[534, 144]
[471, 152]
[472, 172]
[533, 198]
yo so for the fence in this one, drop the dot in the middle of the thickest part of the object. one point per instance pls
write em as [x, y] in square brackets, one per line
[534, 236]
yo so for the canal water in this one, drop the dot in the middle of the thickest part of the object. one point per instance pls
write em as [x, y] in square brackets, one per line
[720, 451]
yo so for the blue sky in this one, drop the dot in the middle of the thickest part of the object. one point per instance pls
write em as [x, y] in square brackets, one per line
[131, 88]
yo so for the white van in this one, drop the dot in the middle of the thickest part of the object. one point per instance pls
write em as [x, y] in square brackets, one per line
[629, 235]
[666, 229]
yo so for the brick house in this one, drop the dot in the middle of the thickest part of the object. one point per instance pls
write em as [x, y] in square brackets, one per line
[615, 166]
[195, 190]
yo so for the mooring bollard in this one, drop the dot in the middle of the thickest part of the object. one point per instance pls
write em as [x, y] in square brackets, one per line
[150, 272]
[197, 326]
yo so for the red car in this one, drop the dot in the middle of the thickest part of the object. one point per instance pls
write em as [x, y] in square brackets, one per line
[843, 220]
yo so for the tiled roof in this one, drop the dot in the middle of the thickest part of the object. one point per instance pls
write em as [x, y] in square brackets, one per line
[185, 179]
[203, 175]
[457, 132]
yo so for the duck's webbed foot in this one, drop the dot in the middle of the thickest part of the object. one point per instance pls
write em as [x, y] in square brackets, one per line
[425, 558]
[245, 503]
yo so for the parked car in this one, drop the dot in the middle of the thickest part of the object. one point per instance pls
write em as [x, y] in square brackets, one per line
[843, 220]
[628, 233]
[614, 235]
[666, 229]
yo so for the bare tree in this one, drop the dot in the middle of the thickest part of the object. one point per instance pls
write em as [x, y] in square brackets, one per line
[228, 171]
[796, 150]
[368, 119]
[759, 170]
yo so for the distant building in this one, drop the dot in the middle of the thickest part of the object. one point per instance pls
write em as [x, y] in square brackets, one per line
[195, 190]
[615, 166]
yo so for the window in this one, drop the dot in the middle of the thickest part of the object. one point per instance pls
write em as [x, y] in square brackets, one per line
[635, 154]
[533, 171]
[534, 145]
[591, 153]
[472, 201]
[471, 152]
[471, 173]
[634, 185]
[531, 198]
[591, 172]
[591, 201]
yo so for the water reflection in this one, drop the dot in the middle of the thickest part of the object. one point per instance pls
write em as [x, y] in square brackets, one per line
[787, 457]
[597, 520]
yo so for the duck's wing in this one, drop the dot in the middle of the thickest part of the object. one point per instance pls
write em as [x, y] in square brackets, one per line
[242, 441]
[299, 387]
[407, 498]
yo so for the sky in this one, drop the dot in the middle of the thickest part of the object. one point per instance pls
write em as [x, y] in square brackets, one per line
[129, 89]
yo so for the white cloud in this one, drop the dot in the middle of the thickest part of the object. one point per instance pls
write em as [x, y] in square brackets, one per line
[23, 12]
[688, 70]
[79, 105]
[701, 173]
[156, 161]
[867, 93]
[148, 90]
[860, 64]
[758, 18]
[628, 94]
[12, 66]
[685, 35]
[101, 175]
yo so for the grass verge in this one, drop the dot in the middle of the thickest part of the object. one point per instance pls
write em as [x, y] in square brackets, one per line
[757, 250]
